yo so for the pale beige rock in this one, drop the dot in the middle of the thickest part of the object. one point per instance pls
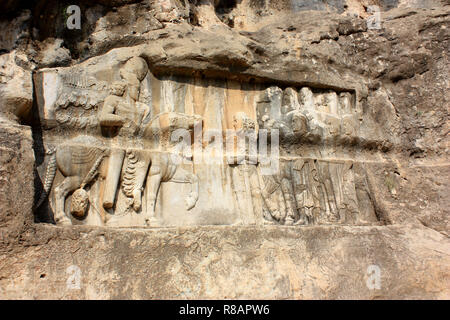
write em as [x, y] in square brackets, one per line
[129, 132]
[17, 163]
[16, 88]
[228, 263]
[53, 53]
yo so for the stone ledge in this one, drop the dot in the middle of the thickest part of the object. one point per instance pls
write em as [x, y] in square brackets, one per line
[229, 262]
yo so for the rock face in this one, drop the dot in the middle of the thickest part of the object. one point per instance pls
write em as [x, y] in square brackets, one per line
[172, 149]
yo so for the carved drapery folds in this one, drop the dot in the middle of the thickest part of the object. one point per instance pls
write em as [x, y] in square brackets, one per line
[126, 148]
[311, 191]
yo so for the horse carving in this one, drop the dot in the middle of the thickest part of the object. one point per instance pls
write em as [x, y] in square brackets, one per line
[154, 168]
[79, 162]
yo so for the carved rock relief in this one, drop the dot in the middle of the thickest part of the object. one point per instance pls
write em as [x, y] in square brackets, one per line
[111, 157]
[311, 191]
[302, 115]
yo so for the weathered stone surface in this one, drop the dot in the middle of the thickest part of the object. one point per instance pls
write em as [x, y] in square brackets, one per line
[328, 188]
[363, 171]
[17, 182]
[16, 87]
[19, 34]
[228, 263]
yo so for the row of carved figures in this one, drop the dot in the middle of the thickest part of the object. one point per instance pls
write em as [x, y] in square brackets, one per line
[307, 115]
[301, 192]
[303, 113]
[84, 159]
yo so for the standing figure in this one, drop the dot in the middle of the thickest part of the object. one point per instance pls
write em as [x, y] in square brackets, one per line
[149, 168]
[122, 111]
[246, 181]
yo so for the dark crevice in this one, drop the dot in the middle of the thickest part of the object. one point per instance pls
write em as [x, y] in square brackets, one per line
[44, 213]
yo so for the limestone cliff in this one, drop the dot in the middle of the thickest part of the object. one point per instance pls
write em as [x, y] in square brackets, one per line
[345, 102]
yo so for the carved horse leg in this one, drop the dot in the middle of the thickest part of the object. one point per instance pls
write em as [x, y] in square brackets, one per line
[113, 176]
[269, 194]
[183, 176]
[68, 185]
[153, 184]
[288, 192]
[141, 174]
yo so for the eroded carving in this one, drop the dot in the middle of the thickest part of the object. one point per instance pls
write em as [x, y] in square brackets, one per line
[310, 191]
[306, 116]
[121, 111]
[154, 168]
[79, 162]
[130, 167]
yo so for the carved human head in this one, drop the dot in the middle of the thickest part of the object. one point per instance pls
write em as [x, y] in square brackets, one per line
[117, 88]
[345, 102]
[79, 203]
[306, 98]
[133, 72]
[299, 123]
